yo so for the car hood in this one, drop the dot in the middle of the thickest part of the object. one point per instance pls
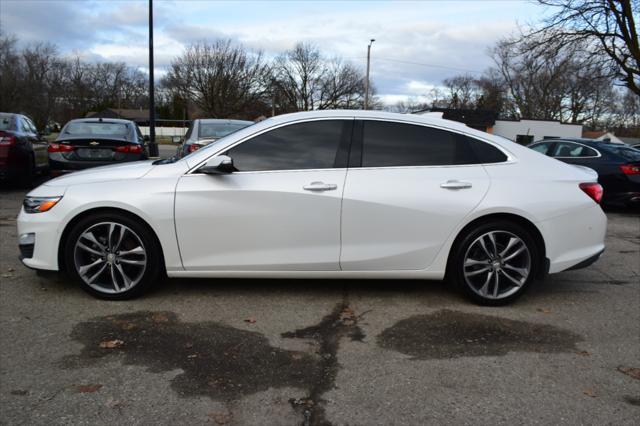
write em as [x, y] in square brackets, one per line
[132, 170]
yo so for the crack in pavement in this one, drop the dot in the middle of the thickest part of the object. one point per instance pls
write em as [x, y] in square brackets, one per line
[340, 323]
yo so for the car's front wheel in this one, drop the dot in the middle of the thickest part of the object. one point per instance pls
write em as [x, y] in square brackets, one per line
[494, 263]
[112, 256]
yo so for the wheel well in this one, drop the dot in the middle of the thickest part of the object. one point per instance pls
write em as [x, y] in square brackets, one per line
[76, 219]
[525, 223]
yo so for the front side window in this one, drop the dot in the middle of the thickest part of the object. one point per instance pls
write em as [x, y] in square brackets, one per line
[569, 149]
[310, 145]
[387, 144]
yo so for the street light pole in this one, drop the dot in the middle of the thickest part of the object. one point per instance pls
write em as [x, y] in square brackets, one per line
[366, 82]
[153, 146]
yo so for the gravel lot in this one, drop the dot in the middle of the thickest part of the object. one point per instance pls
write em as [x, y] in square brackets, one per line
[293, 352]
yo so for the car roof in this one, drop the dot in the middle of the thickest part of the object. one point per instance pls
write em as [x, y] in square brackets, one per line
[100, 120]
[223, 121]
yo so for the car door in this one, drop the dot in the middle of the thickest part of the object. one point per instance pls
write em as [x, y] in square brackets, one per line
[279, 211]
[38, 144]
[410, 188]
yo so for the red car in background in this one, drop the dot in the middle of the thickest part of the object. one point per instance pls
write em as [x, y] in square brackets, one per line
[23, 151]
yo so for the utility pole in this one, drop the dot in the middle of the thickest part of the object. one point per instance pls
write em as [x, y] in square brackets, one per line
[366, 82]
[153, 146]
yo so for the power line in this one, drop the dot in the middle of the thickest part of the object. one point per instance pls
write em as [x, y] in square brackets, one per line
[424, 65]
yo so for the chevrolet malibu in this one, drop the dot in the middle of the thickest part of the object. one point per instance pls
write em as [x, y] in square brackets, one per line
[326, 194]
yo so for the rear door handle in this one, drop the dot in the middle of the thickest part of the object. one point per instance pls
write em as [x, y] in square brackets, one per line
[320, 186]
[455, 184]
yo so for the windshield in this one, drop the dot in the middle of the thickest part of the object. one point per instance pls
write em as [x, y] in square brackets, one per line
[5, 122]
[97, 128]
[629, 154]
[218, 130]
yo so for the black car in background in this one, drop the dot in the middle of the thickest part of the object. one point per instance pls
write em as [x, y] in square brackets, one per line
[618, 165]
[23, 151]
[92, 142]
[202, 132]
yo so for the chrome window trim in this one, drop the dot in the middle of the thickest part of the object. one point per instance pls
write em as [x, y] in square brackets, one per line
[575, 143]
[510, 157]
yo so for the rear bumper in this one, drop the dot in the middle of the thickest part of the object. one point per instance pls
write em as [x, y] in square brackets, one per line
[587, 262]
[574, 239]
[59, 165]
[624, 199]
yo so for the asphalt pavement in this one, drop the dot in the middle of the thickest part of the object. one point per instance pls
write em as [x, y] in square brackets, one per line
[291, 352]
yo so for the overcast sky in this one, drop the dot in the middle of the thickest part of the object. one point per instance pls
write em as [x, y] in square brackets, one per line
[418, 43]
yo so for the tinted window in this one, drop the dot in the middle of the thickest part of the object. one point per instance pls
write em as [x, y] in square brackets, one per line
[6, 122]
[96, 128]
[629, 154]
[32, 126]
[311, 145]
[218, 130]
[524, 139]
[388, 144]
[486, 153]
[542, 148]
[568, 149]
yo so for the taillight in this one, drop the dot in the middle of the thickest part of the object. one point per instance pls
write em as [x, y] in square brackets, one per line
[60, 147]
[129, 149]
[8, 140]
[630, 169]
[194, 147]
[593, 190]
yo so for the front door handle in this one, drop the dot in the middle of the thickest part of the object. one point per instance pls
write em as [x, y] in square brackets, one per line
[320, 186]
[455, 184]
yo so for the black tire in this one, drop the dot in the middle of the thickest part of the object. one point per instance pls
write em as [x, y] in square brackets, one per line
[97, 224]
[472, 286]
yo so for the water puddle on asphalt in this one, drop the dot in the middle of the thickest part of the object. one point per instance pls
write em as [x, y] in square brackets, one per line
[219, 361]
[451, 334]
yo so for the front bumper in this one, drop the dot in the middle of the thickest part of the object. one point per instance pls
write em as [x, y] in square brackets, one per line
[42, 252]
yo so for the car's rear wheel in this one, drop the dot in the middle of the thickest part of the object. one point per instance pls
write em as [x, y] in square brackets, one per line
[112, 256]
[494, 263]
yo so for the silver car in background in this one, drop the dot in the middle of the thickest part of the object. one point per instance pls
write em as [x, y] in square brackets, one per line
[202, 132]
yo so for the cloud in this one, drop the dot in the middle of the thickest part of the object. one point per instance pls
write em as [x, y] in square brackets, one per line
[418, 44]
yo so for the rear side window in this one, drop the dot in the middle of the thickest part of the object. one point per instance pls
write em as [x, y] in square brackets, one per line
[310, 145]
[387, 144]
[629, 154]
[569, 149]
[486, 153]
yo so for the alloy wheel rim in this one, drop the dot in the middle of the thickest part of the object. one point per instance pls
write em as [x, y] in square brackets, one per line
[497, 264]
[110, 257]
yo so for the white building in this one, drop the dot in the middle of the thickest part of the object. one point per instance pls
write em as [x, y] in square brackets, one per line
[527, 131]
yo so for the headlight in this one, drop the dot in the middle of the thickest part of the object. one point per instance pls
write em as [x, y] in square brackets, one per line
[39, 204]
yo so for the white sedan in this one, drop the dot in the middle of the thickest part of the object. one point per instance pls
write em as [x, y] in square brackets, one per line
[326, 194]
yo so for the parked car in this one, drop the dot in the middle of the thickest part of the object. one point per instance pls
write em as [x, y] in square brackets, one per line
[23, 150]
[323, 194]
[202, 132]
[618, 165]
[91, 142]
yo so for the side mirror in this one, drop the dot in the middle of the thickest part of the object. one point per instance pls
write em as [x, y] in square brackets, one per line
[176, 139]
[146, 138]
[220, 165]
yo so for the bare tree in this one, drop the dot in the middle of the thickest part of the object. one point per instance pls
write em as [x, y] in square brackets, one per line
[305, 80]
[605, 27]
[222, 79]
